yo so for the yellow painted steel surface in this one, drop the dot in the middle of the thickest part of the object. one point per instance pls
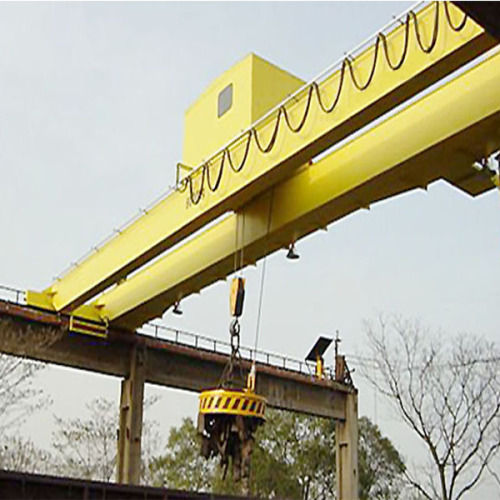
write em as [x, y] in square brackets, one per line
[79, 325]
[177, 217]
[225, 402]
[257, 86]
[411, 149]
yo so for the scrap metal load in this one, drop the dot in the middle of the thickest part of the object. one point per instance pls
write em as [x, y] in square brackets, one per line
[230, 414]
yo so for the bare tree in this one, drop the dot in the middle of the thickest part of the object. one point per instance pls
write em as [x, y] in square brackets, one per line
[86, 447]
[21, 454]
[447, 390]
[19, 396]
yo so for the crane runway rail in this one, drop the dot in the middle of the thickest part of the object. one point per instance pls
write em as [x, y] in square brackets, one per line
[175, 336]
[174, 359]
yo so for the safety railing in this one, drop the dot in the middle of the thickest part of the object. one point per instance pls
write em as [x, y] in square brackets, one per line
[12, 294]
[190, 339]
[209, 344]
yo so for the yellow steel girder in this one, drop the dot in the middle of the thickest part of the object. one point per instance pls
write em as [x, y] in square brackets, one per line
[431, 44]
[411, 149]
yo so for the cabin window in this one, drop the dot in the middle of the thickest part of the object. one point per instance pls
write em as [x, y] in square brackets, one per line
[225, 100]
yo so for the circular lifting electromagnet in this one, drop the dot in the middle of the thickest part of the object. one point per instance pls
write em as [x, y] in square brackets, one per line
[230, 414]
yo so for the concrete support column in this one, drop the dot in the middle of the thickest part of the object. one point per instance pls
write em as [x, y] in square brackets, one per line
[130, 431]
[346, 450]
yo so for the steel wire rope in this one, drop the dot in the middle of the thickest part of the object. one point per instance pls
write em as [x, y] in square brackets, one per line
[242, 250]
[381, 38]
[228, 374]
[262, 278]
[236, 232]
[239, 254]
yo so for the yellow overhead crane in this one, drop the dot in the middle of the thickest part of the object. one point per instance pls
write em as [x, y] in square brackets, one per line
[272, 159]
[250, 154]
[410, 150]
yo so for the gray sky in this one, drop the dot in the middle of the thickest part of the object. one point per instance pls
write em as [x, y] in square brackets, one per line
[92, 97]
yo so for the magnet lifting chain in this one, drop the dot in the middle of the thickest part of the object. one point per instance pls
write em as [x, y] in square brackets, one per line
[230, 414]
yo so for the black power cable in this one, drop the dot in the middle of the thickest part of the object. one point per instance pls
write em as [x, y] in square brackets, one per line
[314, 88]
[272, 141]
[227, 152]
[461, 26]
[423, 48]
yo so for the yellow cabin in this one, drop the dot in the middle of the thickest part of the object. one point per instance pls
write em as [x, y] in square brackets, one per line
[231, 103]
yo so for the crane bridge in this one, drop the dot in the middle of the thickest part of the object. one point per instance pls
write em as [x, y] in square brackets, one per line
[267, 160]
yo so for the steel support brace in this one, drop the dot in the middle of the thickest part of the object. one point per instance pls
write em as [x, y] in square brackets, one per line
[346, 450]
[130, 431]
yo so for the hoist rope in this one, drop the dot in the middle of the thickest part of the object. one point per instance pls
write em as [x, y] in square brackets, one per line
[239, 242]
[263, 278]
[282, 114]
[242, 250]
[236, 243]
[259, 308]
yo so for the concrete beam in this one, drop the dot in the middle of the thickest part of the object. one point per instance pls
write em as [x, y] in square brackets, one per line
[131, 410]
[346, 451]
[44, 336]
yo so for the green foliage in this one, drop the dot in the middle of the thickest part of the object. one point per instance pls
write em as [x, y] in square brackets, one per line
[294, 457]
[381, 468]
[182, 466]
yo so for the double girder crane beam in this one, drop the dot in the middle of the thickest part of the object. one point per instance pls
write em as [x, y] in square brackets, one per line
[437, 137]
[421, 50]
